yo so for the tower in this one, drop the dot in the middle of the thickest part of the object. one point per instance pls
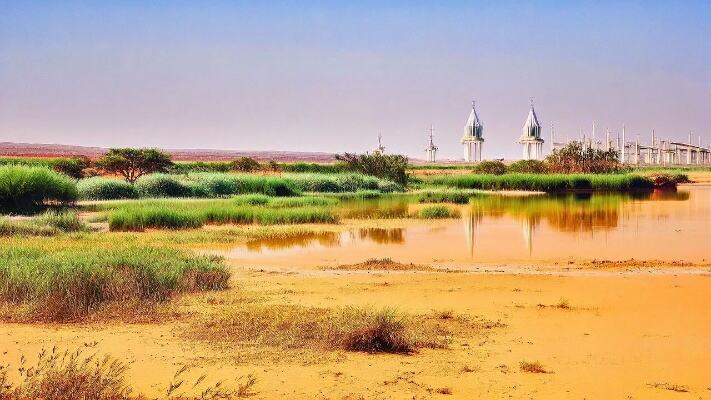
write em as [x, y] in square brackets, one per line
[431, 149]
[380, 149]
[531, 137]
[473, 138]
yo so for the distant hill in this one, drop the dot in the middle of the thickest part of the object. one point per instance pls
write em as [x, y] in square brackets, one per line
[60, 150]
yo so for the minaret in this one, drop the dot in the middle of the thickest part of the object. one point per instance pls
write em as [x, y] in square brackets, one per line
[473, 139]
[431, 149]
[380, 149]
[531, 137]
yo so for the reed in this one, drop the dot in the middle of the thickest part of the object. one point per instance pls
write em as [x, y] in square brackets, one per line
[437, 212]
[23, 187]
[547, 182]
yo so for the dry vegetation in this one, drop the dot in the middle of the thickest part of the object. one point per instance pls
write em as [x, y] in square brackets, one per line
[383, 264]
[533, 367]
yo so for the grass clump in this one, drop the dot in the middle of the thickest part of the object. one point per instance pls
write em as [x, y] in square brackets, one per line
[437, 212]
[46, 224]
[68, 283]
[548, 182]
[162, 185]
[455, 197]
[65, 221]
[23, 187]
[98, 188]
[533, 367]
[296, 327]
[344, 182]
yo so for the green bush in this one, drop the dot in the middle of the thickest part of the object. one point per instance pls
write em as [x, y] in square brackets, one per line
[528, 167]
[336, 183]
[246, 164]
[23, 187]
[98, 188]
[392, 167]
[162, 185]
[73, 167]
[490, 167]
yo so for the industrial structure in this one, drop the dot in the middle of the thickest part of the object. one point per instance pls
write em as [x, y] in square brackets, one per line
[473, 139]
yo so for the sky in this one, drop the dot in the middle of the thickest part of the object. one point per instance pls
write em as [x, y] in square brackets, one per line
[330, 75]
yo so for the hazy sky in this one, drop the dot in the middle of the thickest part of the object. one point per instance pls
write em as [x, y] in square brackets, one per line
[328, 76]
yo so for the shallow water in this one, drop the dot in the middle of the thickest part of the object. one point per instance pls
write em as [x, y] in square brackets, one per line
[513, 230]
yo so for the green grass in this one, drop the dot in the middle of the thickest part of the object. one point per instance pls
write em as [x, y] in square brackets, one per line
[437, 212]
[175, 214]
[48, 223]
[547, 182]
[23, 187]
[99, 188]
[448, 196]
[68, 282]
[341, 182]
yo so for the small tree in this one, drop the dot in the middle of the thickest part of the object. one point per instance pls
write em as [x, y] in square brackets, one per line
[528, 167]
[74, 167]
[131, 164]
[388, 166]
[246, 164]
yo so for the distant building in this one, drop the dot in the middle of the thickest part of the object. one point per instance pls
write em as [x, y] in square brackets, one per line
[380, 149]
[531, 138]
[431, 149]
[473, 138]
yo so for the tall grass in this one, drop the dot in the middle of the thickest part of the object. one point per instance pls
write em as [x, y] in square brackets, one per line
[69, 283]
[547, 182]
[23, 187]
[98, 188]
[437, 212]
[343, 182]
[171, 214]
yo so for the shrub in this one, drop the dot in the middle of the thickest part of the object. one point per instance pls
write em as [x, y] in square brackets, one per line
[490, 167]
[246, 164]
[392, 167]
[162, 185]
[437, 212]
[23, 187]
[528, 167]
[576, 157]
[217, 185]
[98, 188]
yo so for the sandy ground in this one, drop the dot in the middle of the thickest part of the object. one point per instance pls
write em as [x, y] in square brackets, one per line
[623, 337]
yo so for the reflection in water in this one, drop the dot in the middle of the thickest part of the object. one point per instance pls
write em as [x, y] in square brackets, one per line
[471, 218]
[382, 235]
[327, 239]
[379, 208]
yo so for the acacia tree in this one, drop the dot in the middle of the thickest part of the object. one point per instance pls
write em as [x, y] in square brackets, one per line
[131, 164]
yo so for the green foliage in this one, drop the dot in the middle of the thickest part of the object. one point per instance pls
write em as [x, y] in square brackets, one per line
[547, 182]
[65, 221]
[162, 185]
[437, 212]
[131, 164]
[98, 188]
[456, 197]
[246, 164]
[576, 157]
[490, 167]
[23, 187]
[528, 167]
[345, 182]
[314, 168]
[69, 283]
[184, 167]
[392, 167]
[74, 167]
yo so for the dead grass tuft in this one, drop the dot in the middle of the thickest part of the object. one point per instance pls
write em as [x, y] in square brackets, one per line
[383, 264]
[669, 386]
[533, 367]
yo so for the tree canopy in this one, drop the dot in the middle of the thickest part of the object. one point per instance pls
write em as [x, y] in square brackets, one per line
[131, 164]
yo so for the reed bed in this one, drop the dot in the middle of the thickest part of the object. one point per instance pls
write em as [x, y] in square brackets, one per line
[447, 196]
[24, 187]
[60, 283]
[173, 214]
[547, 182]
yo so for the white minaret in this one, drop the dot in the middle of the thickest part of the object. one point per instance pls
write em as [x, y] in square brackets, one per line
[380, 149]
[431, 149]
[473, 139]
[531, 137]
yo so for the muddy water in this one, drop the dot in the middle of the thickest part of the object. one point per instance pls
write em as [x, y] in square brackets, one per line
[511, 230]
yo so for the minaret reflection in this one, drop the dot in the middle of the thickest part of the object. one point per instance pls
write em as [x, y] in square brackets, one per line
[471, 218]
[528, 226]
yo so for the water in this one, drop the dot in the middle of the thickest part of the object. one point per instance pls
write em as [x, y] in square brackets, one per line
[512, 230]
